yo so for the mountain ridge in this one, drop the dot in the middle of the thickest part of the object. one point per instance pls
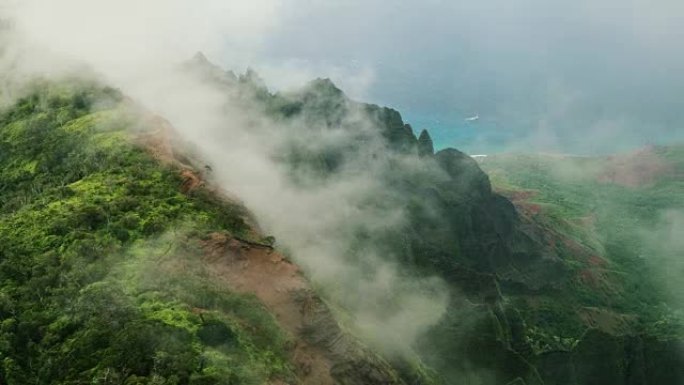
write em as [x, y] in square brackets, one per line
[133, 238]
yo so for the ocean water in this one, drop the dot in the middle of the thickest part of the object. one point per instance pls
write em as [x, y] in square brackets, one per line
[488, 135]
[482, 136]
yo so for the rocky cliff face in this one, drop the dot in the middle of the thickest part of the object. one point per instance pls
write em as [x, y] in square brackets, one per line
[454, 217]
[141, 271]
[476, 239]
[87, 218]
[602, 358]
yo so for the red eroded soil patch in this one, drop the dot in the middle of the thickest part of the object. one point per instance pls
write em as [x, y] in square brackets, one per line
[596, 261]
[590, 278]
[531, 208]
[519, 195]
[191, 181]
[259, 270]
[521, 201]
[574, 247]
[607, 320]
[157, 137]
[638, 168]
[600, 281]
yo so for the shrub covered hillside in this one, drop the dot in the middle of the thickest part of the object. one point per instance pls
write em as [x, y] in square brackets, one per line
[619, 219]
[99, 277]
[119, 266]
[622, 212]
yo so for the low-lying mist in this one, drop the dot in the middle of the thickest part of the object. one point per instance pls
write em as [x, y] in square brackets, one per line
[334, 224]
[664, 246]
[320, 221]
[317, 219]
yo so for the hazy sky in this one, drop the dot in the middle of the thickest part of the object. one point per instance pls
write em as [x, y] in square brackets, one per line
[573, 76]
[559, 71]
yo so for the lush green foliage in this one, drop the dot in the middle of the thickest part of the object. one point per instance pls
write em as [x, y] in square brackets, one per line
[101, 280]
[551, 289]
[629, 273]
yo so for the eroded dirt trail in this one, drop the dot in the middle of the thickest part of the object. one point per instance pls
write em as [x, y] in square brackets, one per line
[249, 268]
[322, 352]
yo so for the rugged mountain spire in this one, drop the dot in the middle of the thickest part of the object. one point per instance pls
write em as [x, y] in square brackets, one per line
[425, 147]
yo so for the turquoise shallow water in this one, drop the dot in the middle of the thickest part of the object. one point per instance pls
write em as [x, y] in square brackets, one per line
[489, 136]
[482, 136]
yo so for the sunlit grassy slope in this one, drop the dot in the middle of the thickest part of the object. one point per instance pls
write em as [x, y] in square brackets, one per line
[100, 276]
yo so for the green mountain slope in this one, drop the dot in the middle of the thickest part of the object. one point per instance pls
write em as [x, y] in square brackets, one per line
[94, 288]
[121, 262]
[112, 248]
[541, 296]
[609, 209]
[616, 221]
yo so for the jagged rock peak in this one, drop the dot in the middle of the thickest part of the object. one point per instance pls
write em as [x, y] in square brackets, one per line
[465, 169]
[425, 145]
[200, 65]
[201, 58]
[324, 86]
[253, 81]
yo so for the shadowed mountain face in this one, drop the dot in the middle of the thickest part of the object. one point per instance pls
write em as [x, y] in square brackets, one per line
[453, 224]
[526, 316]
[452, 216]
[128, 250]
